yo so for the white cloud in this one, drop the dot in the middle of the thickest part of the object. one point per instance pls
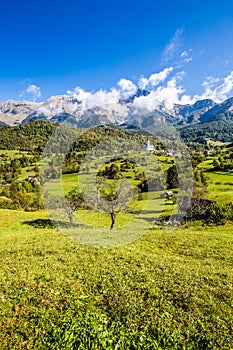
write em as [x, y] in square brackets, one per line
[210, 82]
[110, 99]
[99, 98]
[166, 90]
[216, 89]
[172, 50]
[81, 94]
[174, 93]
[157, 78]
[164, 96]
[32, 91]
[186, 56]
[127, 86]
[154, 79]
[142, 83]
[226, 87]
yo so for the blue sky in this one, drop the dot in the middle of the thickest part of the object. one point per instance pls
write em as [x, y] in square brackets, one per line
[50, 47]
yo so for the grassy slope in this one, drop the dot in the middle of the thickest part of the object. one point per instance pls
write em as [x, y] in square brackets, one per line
[220, 183]
[220, 186]
[167, 290]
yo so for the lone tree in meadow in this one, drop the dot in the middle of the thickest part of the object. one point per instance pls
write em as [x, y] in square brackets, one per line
[111, 196]
[75, 201]
[69, 203]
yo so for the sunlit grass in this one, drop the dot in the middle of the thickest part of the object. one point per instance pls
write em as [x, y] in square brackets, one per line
[166, 290]
[220, 186]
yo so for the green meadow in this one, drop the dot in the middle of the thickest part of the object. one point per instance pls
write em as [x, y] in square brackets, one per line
[219, 183]
[220, 186]
[169, 289]
[139, 286]
[11, 154]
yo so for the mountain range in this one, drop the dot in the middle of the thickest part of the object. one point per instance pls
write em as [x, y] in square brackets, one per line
[70, 110]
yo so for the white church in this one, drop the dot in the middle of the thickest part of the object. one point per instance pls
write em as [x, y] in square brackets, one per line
[150, 147]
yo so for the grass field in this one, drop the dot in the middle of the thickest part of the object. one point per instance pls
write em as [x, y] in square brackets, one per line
[166, 290]
[153, 289]
[220, 183]
[13, 153]
[220, 186]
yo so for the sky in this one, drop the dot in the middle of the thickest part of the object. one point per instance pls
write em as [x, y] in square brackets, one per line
[180, 50]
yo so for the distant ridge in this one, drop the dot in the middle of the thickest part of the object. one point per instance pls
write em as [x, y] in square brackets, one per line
[72, 111]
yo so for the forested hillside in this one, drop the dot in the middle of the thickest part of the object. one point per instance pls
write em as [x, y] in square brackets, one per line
[34, 135]
[216, 131]
[26, 137]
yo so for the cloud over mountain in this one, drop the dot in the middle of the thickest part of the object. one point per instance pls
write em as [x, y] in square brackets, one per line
[165, 87]
[154, 79]
[160, 92]
[127, 86]
[32, 92]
